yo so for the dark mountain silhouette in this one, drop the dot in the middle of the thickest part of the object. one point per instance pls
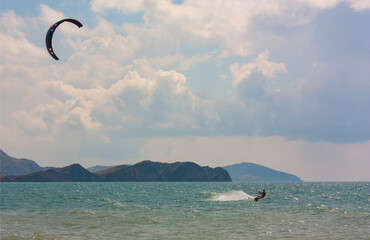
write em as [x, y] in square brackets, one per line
[72, 173]
[148, 171]
[247, 172]
[24, 170]
[14, 166]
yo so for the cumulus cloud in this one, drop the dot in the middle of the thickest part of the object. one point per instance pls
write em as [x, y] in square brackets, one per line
[149, 66]
[15, 48]
[11, 24]
[230, 25]
[359, 5]
[49, 15]
[146, 106]
[192, 21]
[320, 107]
[106, 84]
[28, 122]
[261, 64]
[117, 85]
[20, 50]
[115, 48]
[130, 6]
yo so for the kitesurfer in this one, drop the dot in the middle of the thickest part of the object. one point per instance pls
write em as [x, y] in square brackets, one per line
[262, 194]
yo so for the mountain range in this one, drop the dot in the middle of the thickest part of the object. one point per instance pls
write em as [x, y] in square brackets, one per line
[72, 173]
[145, 171]
[14, 166]
[25, 170]
[149, 171]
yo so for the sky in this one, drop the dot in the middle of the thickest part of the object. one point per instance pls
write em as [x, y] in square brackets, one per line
[280, 83]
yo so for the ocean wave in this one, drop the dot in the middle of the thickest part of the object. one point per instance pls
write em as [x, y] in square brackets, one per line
[231, 196]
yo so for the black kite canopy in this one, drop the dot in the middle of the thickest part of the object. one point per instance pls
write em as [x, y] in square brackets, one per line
[49, 35]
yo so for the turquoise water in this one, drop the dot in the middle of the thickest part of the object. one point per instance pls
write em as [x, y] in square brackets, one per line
[184, 211]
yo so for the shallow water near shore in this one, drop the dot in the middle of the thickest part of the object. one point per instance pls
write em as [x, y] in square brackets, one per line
[184, 211]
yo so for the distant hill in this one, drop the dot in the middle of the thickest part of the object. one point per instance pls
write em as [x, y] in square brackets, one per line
[148, 171]
[97, 168]
[72, 173]
[14, 166]
[247, 172]
[25, 170]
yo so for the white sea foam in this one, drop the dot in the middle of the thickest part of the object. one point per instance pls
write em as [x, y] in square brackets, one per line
[231, 196]
[112, 202]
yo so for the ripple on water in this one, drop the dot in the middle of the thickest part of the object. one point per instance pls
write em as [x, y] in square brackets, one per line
[184, 211]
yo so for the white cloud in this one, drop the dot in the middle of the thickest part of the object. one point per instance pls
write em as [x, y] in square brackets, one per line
[229, 25]
[193, 21]
[11, 25]
[261, 64]
[134, 102]
[49, 15]
[321, 4]
[359, 5]
[96, 78]
[117, 86]
[80, 116]
[128, 7]
[180, 62]
[113, 48]
[20, 51]
[15, 48]
[29, 122]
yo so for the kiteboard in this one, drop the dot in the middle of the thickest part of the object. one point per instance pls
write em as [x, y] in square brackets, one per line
[256, 199]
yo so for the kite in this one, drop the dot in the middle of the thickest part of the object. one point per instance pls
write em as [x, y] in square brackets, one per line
[49, 35]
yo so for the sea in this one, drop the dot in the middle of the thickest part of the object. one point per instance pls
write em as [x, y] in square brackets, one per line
[190, 210]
